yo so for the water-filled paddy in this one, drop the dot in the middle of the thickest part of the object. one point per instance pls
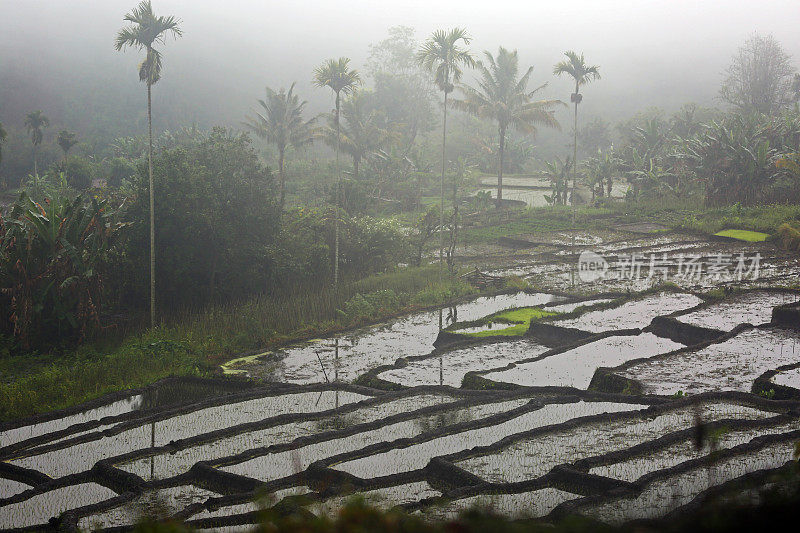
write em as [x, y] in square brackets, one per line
[83, 456]
[788, 378]
[686, 450]
[384, 498]
[40, 508]
[752, 307]
[413, 457]
[118, 407]
[532, 504]
[277, 465]
[361, 350]
[449, 367]
[177, 462]
[534, 457]
[575, 367]
[633, 314]
[730, 365]
[161, 503]
[664, 495]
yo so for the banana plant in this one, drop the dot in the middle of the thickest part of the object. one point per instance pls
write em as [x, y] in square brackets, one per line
[51, 258]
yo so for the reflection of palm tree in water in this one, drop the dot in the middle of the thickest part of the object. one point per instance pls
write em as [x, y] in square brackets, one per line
[452, 318]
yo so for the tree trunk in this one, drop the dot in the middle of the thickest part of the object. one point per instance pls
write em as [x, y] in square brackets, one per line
[609, 186]
[356, 162]
[338, 186]
[282, 176]
[441, 207]
[575, 153]
[500, 168]
[152, 207]
[35, 168]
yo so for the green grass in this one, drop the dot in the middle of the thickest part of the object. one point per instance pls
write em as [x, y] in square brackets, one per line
[519, 319]
[196, 343]
[743, 235]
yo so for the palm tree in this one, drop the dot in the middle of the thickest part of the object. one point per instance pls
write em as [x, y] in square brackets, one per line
[66, 140]
[281, 123]
[504, 98]
[3, 135]
[361, 130]
[444, 58]
[575, 66]
[36, 122]
[145, 30]
[337, 74]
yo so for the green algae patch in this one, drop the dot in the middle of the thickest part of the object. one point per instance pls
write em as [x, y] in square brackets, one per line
[742, 235]
[229, 368]
[517, 320]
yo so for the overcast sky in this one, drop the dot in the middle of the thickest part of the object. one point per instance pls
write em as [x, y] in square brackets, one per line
[659, 52]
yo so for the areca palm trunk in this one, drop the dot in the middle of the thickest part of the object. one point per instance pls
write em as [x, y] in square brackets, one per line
[152, 206]
[281, 175]
[575, 153]
[441, 206]
[338, 187]
[500, 169]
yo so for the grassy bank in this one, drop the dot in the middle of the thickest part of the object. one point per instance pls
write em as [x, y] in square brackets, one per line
[196, 343]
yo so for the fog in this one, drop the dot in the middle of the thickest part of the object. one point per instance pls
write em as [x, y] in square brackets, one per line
[58, 55]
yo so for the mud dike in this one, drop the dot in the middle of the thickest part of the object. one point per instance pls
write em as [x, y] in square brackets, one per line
[594, 410]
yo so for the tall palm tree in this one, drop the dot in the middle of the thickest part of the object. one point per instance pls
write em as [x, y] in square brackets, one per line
[337, 74]
[144, 31]
[3, 136]
[36, 122]
[66, 140]
[503, 97]
[575, 66]
[444, 57]
[281, 123]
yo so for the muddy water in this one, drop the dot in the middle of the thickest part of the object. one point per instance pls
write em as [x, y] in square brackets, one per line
[450, 367]
[730, 365]
[751, 307]
[634, 314]
[359, 351]
[532, 504]
[532, 458]
[417, 456]
[664, 495]
[634, 468]
[575, 368]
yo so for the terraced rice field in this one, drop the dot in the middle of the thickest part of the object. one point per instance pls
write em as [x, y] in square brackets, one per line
[588, 414]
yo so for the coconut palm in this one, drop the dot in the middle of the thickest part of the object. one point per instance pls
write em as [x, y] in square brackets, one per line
[503, 97]
[144, 31]
[341, 79]
[444, 57]
[36, 122]
[281, 123]
[66, 140]
[575, 66]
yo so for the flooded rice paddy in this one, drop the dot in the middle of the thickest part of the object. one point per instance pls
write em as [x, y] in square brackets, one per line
[493, 424]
